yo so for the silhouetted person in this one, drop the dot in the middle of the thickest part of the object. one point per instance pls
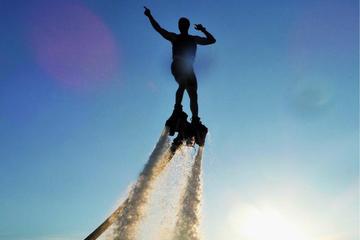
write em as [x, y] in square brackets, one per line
[183, 54]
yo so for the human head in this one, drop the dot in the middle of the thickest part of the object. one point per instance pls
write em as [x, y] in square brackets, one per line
[184, 25]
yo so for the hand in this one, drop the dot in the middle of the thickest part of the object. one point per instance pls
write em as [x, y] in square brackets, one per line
[147, 12]
[199, 27]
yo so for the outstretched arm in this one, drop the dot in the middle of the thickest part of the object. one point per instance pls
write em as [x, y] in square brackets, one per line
[167, 35]
[201, 40]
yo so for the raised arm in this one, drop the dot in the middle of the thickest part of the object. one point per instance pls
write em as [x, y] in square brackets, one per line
[209, 39]
[167, 35]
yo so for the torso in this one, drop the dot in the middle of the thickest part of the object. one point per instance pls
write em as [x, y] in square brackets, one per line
[184, 48]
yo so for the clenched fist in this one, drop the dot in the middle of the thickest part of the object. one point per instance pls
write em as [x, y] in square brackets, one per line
[147, 12]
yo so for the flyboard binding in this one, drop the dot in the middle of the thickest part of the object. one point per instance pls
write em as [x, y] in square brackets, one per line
[187, 133]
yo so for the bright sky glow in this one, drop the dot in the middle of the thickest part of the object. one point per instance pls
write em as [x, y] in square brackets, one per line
[265, 223]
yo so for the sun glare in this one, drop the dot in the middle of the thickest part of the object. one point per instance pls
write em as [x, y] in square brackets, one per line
[253, 223]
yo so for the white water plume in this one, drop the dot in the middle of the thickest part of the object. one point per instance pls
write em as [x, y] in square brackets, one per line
[165, 200]
[164, 203]
[127, 221]
[187, 225]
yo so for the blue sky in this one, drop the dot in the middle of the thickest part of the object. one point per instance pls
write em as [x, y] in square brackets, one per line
[86, 88]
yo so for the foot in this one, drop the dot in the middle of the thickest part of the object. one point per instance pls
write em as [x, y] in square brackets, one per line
[200, 131]
[174, 119]
[195, 121]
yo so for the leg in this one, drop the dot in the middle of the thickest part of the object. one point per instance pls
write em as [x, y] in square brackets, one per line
[199, 130]
[175, 70]
[179, 96]
[177, 114]
[193, 101]
[192, 91]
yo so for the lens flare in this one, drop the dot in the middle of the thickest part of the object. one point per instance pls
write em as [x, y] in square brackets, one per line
[72, 44]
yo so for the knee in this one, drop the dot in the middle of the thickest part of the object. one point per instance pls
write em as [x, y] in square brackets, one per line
[181, 87]
[192, 94]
